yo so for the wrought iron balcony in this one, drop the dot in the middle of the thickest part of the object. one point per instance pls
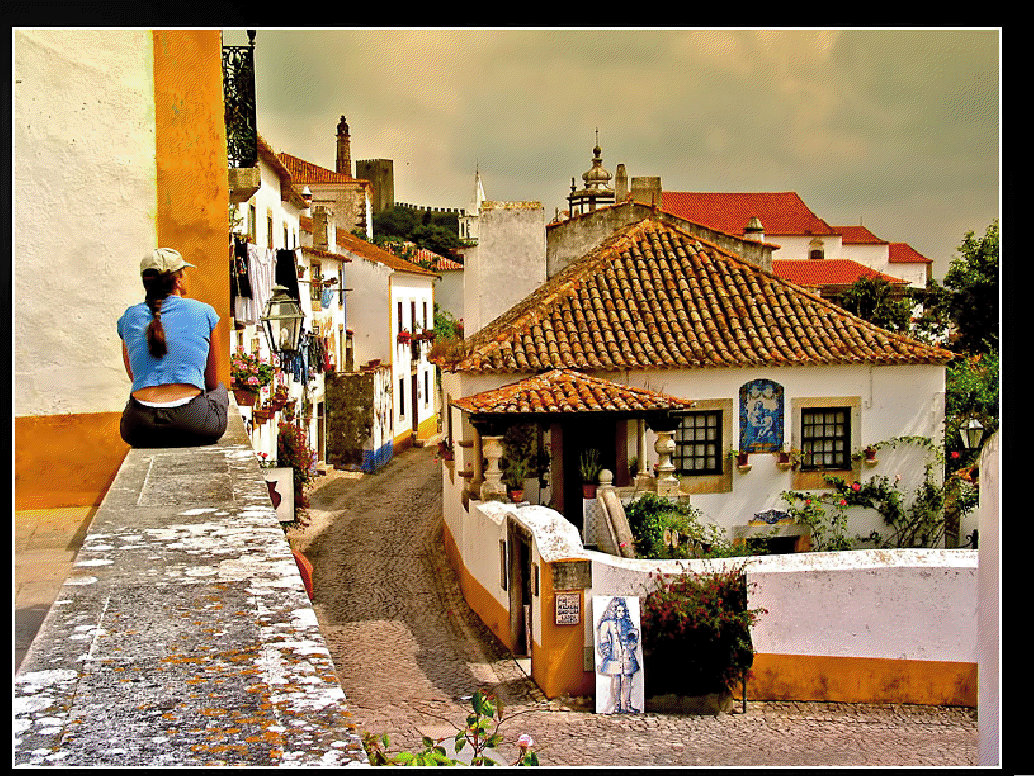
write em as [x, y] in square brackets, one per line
[239, 103]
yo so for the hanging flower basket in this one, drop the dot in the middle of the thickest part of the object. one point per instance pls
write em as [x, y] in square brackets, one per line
[404, 337]
[245, 397]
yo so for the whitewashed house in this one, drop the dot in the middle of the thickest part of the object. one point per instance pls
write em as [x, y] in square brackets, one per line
[391, 307]
[655, 306]
[800, 238]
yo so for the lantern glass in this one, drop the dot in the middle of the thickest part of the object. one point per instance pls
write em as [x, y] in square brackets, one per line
[282, 322]
[971, 433]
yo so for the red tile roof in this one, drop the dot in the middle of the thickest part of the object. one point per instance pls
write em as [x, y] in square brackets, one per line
[371, 252]
[655, 297]
[781, 213]
[903, 253]
[303, 172]
[826, 272]
[565, 390]
[858, 235]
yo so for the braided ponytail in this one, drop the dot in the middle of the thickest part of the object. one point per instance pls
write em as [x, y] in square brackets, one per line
[158, 286]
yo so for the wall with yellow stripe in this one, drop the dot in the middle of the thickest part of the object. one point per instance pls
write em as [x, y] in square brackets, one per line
[880, 626]
[119, 147]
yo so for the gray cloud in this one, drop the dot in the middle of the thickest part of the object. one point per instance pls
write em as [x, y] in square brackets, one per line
[898, 128]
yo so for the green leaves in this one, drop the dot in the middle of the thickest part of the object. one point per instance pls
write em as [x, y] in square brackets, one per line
[481, 733]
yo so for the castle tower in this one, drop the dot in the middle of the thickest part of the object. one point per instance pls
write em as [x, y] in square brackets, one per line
[344, 148]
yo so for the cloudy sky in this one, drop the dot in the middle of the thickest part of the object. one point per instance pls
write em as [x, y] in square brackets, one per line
[894, 129]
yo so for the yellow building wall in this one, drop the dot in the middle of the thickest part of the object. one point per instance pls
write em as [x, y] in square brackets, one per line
[64, 460]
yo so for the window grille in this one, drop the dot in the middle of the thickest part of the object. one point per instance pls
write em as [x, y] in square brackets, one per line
[698, 443]
[826, 438]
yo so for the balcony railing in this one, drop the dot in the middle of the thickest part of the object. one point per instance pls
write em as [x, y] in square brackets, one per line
[239, 103]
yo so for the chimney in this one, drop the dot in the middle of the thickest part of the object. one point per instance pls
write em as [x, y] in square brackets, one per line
[754, 230]
[344, 148]
[647, 191]
[620, 184]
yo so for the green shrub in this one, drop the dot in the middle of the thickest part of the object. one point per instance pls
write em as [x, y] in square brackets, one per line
[654, 519]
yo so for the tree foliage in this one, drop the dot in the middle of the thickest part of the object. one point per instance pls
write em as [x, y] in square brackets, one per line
[878, 302]
[437, 232]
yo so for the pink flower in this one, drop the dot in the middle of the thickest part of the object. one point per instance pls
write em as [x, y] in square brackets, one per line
[955, 454]
[253, 380]
[855, 486]
[524, 741]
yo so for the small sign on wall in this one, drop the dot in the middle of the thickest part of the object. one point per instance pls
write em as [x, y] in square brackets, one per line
[568, 608]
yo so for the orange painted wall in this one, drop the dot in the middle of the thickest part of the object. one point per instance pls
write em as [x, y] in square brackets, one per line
[862, 680]
[192, 184]
[557, 660]
[65, 460]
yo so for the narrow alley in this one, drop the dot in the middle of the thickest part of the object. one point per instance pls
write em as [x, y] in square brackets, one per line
[408, 652]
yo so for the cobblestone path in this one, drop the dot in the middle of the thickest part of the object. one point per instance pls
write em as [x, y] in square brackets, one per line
[408, 650]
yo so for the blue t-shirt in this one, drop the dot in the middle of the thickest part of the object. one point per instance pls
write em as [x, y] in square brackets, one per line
[188, 326]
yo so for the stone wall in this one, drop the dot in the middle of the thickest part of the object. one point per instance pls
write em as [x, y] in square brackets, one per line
[184, 635]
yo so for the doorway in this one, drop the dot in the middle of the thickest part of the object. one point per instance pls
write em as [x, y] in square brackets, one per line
[518, 540]
[579, 436]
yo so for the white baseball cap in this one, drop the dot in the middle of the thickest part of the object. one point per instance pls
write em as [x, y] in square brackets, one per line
[164, 260]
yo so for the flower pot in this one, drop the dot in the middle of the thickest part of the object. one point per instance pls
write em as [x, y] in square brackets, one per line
[742, 459]
[588, 491]
[516, 495]
[244, 397]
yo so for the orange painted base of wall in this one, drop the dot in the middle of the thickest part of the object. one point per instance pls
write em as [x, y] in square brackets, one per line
[481, 602]
[66, 460]
[863, 680]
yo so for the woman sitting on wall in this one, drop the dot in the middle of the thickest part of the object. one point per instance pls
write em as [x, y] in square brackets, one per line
[176, 399]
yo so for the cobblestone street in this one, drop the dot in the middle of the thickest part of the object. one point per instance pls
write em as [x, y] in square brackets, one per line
[408, 650]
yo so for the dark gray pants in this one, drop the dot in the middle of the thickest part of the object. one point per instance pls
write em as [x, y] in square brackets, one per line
[201, 421]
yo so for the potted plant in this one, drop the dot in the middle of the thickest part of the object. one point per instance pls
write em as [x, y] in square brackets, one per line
[404, 337]
[742, 458]
[870, 454]
[590, 470]
[248, 374]
[513, 475]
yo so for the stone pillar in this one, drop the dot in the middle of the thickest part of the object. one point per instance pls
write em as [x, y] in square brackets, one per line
[492, 489]
[667, 484]
[643, 478]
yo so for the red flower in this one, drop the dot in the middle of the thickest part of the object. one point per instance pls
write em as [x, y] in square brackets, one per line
[955, 454]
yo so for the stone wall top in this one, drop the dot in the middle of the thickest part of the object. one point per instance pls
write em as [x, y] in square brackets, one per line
[184, 635]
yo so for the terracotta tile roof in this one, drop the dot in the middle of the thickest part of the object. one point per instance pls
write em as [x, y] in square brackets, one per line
[437, 261]
[371, 252]
[858, 235]
[322, 254]
[303, 172]
[903, 253]
[826, 272]
[655, 297]
[781, 213]
[565, 390]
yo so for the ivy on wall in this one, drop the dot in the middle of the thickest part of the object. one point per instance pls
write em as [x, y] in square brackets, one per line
[349, 403]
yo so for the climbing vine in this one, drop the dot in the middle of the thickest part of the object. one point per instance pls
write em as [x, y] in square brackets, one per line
[919, 521]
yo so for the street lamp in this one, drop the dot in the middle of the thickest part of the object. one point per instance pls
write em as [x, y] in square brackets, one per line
[283, 322]
[971, 432]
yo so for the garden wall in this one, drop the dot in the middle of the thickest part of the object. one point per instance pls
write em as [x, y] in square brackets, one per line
[868, 626]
